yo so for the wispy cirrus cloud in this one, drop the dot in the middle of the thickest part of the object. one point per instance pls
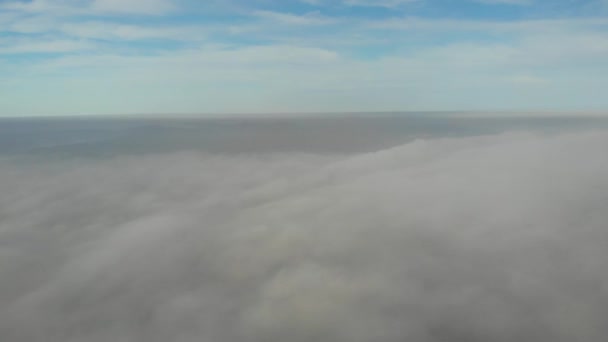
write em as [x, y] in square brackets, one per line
[45, 46]
[76, 7]
[134, 6]
[395, 55]
[526, 26]
[117, 31]
[362, 3]
[505, 2]
[378, 3]
[313, 18]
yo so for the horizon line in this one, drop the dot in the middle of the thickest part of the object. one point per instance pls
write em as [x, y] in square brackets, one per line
[299, 114]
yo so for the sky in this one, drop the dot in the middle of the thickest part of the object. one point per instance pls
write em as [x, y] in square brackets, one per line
[81, 57]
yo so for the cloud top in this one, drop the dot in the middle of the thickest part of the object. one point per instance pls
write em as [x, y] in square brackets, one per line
[493, 238]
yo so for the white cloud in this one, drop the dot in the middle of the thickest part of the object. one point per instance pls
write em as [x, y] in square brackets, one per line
[35, 5]
[527, 80]
[363, 3]
[77, 7]
[505, 2]
[524, 27]
[134, 6]
[378, 3]
[43, 46]
[356, 63]
[300, 78]
[113, 31]
[291, 19]
[31, 25]
[471, 238]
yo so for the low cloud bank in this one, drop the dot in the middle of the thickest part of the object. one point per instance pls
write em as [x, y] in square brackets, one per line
[495, 238]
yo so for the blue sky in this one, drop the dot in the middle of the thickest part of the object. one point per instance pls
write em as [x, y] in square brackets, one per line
[79, 57]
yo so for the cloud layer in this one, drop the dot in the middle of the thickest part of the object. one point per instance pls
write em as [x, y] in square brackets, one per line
[494, 238]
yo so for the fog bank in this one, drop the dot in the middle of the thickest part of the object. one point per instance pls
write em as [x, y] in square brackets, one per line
[491, 238]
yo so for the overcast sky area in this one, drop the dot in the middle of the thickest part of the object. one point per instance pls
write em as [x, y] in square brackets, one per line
[78, 57]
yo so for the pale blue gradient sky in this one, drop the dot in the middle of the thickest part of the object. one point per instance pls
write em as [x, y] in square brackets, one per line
[71, 57]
